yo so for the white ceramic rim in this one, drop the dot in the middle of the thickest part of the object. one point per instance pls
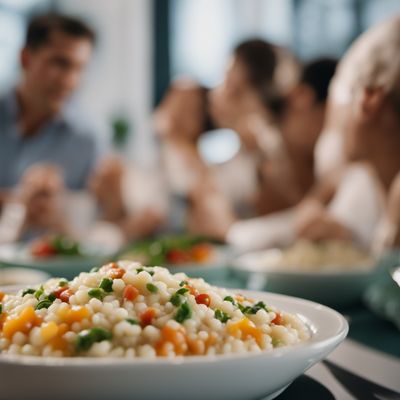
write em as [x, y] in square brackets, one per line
[241, 263]
[48, 263]
[328, 327]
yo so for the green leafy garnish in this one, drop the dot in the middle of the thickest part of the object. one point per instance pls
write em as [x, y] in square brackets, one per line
[222, 316]
[152, 288]
[97, 293]
[230, 299]
[87, 338]
[46, 303]
[65, 246]
[139, 270]
[183, 283]
[132, 321]
[63, 283]
[253, 310]
[1, 308]
[39, 292]
[51, 297]
[106, 285]
[177, 299]
[184, 312]
[28, 291]
[277, 342]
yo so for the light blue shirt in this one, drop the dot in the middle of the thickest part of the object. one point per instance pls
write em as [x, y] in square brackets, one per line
[63, 141]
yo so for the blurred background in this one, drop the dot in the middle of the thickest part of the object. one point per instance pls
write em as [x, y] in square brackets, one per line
[143, 45]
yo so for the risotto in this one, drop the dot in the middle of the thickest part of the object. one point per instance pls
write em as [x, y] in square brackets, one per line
[125, 309]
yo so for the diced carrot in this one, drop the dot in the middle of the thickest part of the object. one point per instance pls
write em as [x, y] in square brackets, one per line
[130, 293]
[58, 342]
[3, 317]
[278, 320]
[59, 290]
[48, 331]
[201, 252]
[22, 323]
[243, 329]
[196, 347]
[116, 273]
[147, 316]
[2, 294]
[65, 295]
[71, 315]
[110, 266]
[176, 337]
[193, 291]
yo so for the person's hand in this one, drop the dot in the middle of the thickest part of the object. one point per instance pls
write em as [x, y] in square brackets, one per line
[209, 213]
[316, 224]
[237, 111]
[141, 224]
[106, 186]
[182, 113]
[41, 191]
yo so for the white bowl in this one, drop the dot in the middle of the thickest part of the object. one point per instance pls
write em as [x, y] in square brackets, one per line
[334, 287]
[18, 255]
[13, 277]
[241, 377]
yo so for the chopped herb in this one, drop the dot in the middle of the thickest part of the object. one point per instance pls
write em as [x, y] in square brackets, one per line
[253, 310]
[277, 342]
[28, 291]
[97, 293]
[46, 303]
[152, 288]
[139, 270]
[39, 292]
[51, 297]
[63, 283]
[222, 316]
[87, 338]
[230, 299]
[106, 284]
[176, 299]
[95, 269]
[151, 272]
[1, 308]
[132, 321]
[183, 283]
[184, 312]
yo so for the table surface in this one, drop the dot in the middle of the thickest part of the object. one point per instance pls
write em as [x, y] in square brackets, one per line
[371, 349]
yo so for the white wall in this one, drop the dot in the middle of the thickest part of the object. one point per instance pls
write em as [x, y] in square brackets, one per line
[119, 79]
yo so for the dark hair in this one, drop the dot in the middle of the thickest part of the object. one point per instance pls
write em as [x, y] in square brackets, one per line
[318, 74]
[260, 60]
[41, 27]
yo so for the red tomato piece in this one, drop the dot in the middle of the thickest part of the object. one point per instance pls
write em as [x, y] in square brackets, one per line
[147, 317]
[43, 249]
[65, 295]
[203, 298]
[130, 292]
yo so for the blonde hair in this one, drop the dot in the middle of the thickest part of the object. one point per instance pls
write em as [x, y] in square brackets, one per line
[372, 61]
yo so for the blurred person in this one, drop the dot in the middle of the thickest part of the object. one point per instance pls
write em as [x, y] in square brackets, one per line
[250, 102]
[300, 123]
[36, 126]
[130, 199]
[179, 121]
[284, 175]
[349, 202]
